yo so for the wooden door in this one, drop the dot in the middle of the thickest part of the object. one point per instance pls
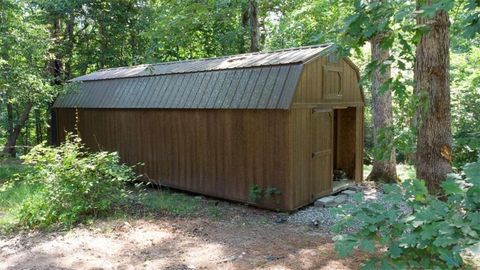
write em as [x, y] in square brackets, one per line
[321, 144]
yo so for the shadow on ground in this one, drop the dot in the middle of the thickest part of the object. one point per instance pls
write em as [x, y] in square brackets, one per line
[244, 238]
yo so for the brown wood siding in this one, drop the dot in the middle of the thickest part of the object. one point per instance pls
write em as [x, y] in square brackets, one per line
[310, 95]
[301, 156]
[310, 175]
[224, 152]
[315, 79]
[221, 153]
[321, 128]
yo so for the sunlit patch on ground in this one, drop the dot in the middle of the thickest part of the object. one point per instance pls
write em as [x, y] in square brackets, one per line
[175, 243]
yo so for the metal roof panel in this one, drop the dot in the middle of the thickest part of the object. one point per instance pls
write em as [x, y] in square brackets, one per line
[265, 80]
[248, 60]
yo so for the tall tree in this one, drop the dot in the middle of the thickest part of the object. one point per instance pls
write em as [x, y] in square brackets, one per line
[254, 26]
[374, 21]
[431, 73]
[23, 50]
[384, 168]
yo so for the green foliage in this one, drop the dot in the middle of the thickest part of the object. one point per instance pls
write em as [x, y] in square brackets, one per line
[385, 143]
[299, 23]
[394, 22]
[12, 197]
[413, 229]
[71, 184]
[10, 203]
[255, 193]
[272, 192]
[10, 169]
[213, 29]
[171, 202]
[465, 111]
[471, 12]
[390, 24]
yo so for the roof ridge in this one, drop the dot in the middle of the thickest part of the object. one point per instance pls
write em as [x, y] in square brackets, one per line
[324, 45]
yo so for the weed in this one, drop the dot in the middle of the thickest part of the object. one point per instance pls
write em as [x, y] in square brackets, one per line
[214, 212]
[255, 193]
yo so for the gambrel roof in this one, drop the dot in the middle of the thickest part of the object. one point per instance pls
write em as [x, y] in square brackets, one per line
[263, 80]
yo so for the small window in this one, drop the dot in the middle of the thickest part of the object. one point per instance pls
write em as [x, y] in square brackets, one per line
[332, 58]
[332, 82]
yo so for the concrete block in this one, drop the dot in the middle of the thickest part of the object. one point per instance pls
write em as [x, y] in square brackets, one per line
[339, 199]
[349, 192]
[328, 201]
[355, 188]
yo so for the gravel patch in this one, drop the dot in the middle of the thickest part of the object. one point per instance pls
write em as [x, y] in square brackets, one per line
[323, 217]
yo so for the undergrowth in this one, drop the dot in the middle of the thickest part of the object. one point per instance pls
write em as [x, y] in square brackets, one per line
[174, 203]
[411, 229]
[64, 185]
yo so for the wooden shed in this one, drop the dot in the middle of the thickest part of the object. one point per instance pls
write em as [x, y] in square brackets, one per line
[265, 128]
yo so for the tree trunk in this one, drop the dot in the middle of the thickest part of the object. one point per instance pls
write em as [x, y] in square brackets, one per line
[254, 26]
[38, 127]
[9, 147]
[102, 36]
[70, 25]
[434, 139]
[55, 65]
[10, 126]
[244, 27]
[384, 168]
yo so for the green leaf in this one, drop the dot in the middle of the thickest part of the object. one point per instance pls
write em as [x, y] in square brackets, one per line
[444, 241]
[395, 250]
[371, 264]
[367, 245]
[450, 258]
[472, 172]
[467, 230]
[385, 86]
[428, 231]
[344, 247]
[385, 264]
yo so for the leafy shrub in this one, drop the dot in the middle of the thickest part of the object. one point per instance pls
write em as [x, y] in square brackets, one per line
[412, 229]
[73, 184]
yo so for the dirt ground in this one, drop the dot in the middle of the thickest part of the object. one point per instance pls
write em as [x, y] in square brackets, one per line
[241, 238]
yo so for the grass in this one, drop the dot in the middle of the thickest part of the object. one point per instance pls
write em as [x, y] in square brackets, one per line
[11, 198]
[404, 171]
[153, 200]
[9, 168]
[172, 202]
[10, 202]
[178, 203]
